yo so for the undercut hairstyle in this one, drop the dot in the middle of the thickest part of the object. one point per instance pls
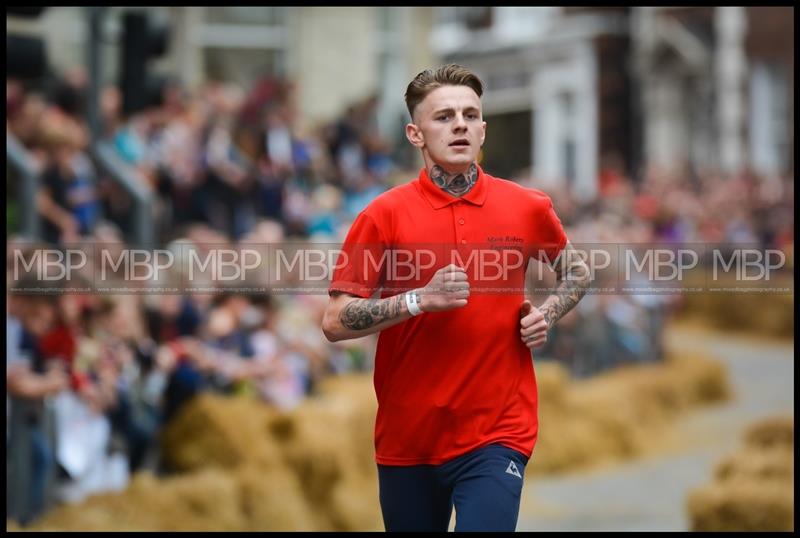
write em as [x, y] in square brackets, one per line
[446, 75]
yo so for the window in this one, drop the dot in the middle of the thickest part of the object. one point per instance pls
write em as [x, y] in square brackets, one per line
[509, 142]
[474, 18]
[267, 15]
[566, 104]
[769, 119]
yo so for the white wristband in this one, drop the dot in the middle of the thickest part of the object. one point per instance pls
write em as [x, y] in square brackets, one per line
[412, 304]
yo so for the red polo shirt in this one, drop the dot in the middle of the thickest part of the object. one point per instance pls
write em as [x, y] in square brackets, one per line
[450, 382]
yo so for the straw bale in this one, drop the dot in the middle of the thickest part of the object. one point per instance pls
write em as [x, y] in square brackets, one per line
[617, 415]
[205, 500]
[734, 311]
[355, 396]
[552, 380]
[773, 431]
[354, 505]
[272, 500]
[775, 463]
[743, 505]
[569, 443]
[327, 442]
[709, 382]
[247, 499]
[753, 489]
[216, 431]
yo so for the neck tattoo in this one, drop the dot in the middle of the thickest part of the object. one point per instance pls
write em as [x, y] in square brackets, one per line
[455, 184]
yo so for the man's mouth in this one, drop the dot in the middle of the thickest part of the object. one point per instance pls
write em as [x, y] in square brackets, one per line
[461, 142]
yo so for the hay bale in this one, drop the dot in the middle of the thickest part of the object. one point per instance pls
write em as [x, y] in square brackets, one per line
[754, 488]
[246, 499]
[214, 431]
[252, 468]
[746, 505]
[771, 432]
[574, 442]
[709, 382]
[659, 391]
[327, 442]
[580, 423]
[272, 500]
[617, 415]
[552, 380]
[778, 318]
[642, 393]
[205, 500]
[357, 396]
[732, 311]
[354, 505]
[775, 463]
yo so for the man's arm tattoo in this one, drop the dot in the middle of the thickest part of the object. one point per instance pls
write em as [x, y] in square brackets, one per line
[457, 185]
[572, 284]
[365, 313]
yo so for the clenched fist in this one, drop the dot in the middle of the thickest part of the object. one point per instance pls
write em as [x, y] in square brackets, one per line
[532, 325]
[446, 290]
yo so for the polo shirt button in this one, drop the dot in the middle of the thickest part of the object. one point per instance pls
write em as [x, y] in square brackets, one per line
[461, 221]
[463, 241]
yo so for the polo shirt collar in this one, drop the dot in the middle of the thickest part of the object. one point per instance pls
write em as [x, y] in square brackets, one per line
[439, 198]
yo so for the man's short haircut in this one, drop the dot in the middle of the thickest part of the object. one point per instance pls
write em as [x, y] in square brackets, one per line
[446, 75]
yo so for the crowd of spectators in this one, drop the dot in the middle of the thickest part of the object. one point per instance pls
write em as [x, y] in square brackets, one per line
[702, 212]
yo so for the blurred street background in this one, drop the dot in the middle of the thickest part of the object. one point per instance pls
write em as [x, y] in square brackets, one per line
[229, 126]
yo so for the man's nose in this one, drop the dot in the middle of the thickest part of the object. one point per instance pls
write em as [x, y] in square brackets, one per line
[460, 122]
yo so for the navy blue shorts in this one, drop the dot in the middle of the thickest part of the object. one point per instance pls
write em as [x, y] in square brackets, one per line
[484, 486]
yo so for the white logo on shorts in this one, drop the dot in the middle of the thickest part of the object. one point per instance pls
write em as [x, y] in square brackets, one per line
[512, 469]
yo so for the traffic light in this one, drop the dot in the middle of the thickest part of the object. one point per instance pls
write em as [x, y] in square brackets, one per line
[142, 41]
[25, 11]
[26, 56]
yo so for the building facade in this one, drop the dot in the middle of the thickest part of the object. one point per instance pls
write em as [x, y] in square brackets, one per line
[334, 55]
[572, 92]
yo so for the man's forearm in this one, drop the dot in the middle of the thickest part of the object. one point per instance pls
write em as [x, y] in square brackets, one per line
[571, 286]
[360, 317]
[361, 314]
[31, 385]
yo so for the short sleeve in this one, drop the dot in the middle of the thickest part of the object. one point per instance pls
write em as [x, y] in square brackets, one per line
[358, 269]
[551, 235]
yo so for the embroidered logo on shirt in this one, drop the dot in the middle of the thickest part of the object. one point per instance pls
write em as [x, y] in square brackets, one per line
[512, 469]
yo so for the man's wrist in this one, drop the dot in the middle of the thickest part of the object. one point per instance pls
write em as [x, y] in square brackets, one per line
[548, 318]
[413, 302]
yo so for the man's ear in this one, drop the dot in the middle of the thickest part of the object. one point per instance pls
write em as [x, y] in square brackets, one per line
[483, 133]
[414, 135]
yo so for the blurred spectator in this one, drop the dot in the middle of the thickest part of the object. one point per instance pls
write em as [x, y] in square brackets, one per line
[67, 198]
[30, 379]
